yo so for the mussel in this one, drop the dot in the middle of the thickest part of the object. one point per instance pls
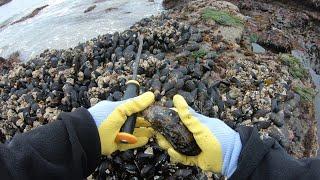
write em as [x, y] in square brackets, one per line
[167, 122]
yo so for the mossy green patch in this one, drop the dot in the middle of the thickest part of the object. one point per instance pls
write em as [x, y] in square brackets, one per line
[295, 68]
[307, 94]
[221, 17]
[199, 54]
[254, 38]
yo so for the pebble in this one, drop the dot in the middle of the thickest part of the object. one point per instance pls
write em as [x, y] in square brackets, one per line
[196, 37]
[117, 96]
[275, 105]
[262, 124]
[278, 118]
[193, 46]
[256, 48]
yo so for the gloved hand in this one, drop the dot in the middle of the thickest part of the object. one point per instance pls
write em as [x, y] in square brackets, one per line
[110, 116]
[220, 144]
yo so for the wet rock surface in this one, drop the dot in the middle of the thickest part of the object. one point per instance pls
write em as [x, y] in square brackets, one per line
[185, 51]
[7, 64]
[284, 26]
[31, 15]
[149, 162]
[170, 4]
[91, 8]
[3, 2]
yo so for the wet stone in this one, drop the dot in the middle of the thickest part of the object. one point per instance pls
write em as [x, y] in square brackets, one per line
[160, 56]
[147, 171]
[189, 97]
[196, 37]
[183, 55]
[190, 85]
[169, 104]
[278, 118]
[278, 135]
[256, 48]
[54, 62]
[262, 124]
[275, 107]
[117, 96]
[193, 46]
[261, 113]
[211, 55]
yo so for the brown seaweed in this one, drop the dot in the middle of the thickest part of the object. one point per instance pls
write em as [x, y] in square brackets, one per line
[167, 122]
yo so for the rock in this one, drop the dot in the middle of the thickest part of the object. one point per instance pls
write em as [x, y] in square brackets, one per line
[3, 2]
[229, 33]
[110, 9]
[261, 113]
[278, 135]
[196, 37]
[117, 96]
[160, 56]
[234, 93]
[183, 55]
[168, 104]
[193, 46]
[189, 97]
[211, 55]
[182, 173]
[275, 105]
[169, 4]
[31, 15]
[278, 118]
[190, 85]
[262, 124]
[149, 151]
[129, 53]
[256, 48]
[147, 171]
[91, 8]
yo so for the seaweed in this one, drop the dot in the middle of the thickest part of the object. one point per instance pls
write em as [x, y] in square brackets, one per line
[221, 17]
[199, 54]
[295, 68]
[254, 38]
[306, 94]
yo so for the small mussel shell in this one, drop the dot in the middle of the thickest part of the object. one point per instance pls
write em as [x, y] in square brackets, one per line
[167, 122]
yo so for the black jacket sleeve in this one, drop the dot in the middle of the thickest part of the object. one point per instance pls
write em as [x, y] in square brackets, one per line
[68, 148]
[266, 159]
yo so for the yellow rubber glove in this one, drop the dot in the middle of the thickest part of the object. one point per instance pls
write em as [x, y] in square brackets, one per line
[220, 144]
[110, 116]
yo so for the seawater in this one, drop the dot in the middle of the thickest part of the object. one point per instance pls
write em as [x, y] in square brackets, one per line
[63, 24]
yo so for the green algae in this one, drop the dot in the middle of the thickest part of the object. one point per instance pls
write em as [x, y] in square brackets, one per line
[307, 94]
[295, 68]
[221, 17]
[199, 54]
[254, 38]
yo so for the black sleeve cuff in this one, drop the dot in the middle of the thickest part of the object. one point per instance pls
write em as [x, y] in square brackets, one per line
[87, 134]
[253, 151]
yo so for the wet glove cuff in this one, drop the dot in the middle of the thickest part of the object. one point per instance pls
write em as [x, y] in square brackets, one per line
[231, 156]
[100, 111]
[228, 138]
